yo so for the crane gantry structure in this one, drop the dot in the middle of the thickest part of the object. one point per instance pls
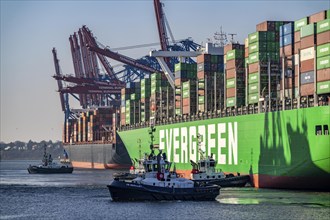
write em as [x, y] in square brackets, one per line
[93, 88]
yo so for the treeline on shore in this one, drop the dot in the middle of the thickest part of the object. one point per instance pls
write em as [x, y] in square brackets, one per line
[31, 150]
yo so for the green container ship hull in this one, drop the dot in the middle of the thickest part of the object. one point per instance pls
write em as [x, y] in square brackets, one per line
[284, 149]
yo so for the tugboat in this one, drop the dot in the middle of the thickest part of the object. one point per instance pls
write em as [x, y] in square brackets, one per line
[204, 172]
[160, 183]
[49, 167]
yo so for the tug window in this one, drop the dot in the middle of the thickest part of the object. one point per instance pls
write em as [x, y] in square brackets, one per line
[318, 130]
[325, 130]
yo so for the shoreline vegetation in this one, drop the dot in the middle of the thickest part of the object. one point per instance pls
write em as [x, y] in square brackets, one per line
[31, 150]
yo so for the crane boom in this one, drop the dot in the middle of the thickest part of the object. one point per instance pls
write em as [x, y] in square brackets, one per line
[161, 25]
[57, 72]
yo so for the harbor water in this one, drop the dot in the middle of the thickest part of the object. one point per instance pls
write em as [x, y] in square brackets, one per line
[84, 195]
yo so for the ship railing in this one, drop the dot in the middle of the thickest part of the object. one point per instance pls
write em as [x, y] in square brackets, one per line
[276, 105]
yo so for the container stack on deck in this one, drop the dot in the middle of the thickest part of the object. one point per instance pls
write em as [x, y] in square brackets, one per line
[210, 74]
[161, 96]
[185, 88]
[280, 63]
[235, 75]
[145, 99]
[323, 56]
[264, 62]
[90, 126]
[132, 106]
[287, 60]
[312, 38]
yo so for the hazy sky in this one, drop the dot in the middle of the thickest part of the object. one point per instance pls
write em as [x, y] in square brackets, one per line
[30, 105]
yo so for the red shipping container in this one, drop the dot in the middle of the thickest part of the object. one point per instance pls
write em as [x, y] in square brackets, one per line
[254, 67]
[320, 16]
[266, 26]
[297, 36]
[323, 38]
[306, 66]
[287, 83]
[246, 54]
[307, 42]
[201, 92]
[204, 58]
[235, 63]
[286, 50]
[307, 89]
[229, 47]
[296, 47]
[323, 75]
[231, 92]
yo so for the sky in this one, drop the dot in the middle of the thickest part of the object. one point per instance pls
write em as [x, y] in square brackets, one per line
[30, 105]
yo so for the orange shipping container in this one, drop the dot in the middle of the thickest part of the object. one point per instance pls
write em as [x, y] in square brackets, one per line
[230, 92]
[254, 67]
[307, 65]
[229, 47]
[320, 16]
[323, 75]
[287, 83]
[235, 63]
[323, 38]
[286, 50]
[307, 42]
[307, 89]
[297, 36]
[296, 47]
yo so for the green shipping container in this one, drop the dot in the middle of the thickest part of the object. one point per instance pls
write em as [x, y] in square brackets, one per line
[263, 57]
[323, 26]
[253, 88]
[201, 99]
[253, 98]
[258, 46]
[186, 94]
[156, 76]
[300, 23]
[307, 30]
[253, 78]
[323, 87]
[231, 83]
[328, 13]
[180, 67]
[323, 50]
[235, 54]
[178, 111]
[231, 102]
[257, 36]
[323, 62]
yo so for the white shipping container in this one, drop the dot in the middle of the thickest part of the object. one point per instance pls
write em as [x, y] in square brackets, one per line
[307, 54]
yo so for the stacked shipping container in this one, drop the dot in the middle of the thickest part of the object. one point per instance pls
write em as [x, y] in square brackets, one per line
[91, 126]
[210, 74]
[185, 102]
[323, 56]
[235, 75]
[312, 37]
[145, 99]
[287, 60]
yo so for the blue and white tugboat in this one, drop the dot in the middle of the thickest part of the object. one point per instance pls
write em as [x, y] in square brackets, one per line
[48, 166]
[160, 183]
[204, 172]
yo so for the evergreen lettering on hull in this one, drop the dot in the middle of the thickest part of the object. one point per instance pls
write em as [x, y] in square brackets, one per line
[181, 144]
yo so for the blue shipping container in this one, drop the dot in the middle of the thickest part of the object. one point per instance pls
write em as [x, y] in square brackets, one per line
[286, 29]
[286, 40]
